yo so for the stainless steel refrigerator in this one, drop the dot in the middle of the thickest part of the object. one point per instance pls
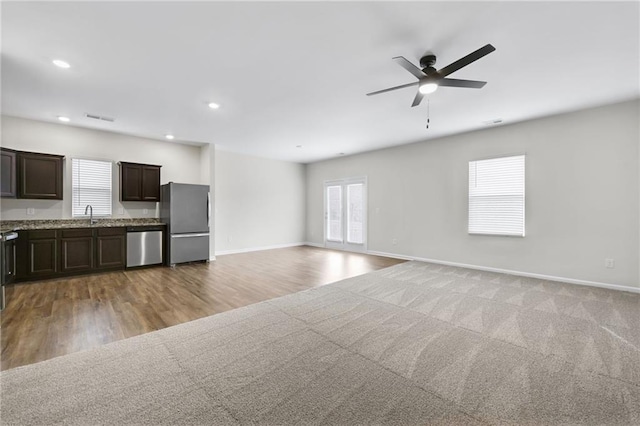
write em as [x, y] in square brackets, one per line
[186, 209]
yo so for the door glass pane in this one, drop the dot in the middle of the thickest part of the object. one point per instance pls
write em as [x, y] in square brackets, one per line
[354, 213]
[334, 213]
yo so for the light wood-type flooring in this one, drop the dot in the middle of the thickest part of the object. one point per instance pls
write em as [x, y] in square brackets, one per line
[46, 319]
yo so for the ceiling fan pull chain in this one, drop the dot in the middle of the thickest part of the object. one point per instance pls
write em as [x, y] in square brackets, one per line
[428, 113]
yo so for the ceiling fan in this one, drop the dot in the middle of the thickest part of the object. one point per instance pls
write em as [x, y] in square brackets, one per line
[429, 79]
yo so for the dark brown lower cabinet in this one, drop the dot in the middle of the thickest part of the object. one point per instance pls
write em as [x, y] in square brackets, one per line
[110, 250]
[53, 253]
[76, 250]
[42, 258]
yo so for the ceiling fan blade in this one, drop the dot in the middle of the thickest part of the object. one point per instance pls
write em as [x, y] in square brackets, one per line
[454, 82]
[417, 99]
[393, 88]
[404, 63]
[463, 62]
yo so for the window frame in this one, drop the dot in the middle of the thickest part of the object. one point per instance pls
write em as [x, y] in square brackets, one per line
[494, 232]
[99, 213]
[344, 244]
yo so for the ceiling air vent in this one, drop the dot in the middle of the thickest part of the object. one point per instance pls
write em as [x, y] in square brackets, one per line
[492, 122]
[100, 117]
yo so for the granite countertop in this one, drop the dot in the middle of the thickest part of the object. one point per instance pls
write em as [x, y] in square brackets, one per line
[16, 225]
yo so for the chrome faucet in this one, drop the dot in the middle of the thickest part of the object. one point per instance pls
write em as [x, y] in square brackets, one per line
[91, 220]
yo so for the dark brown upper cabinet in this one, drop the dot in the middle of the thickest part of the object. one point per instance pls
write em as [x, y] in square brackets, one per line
[40, 176]
[9, 173]
[139, 182]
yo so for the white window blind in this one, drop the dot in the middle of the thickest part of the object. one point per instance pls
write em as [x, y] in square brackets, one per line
[355, 215]
[334, 215]
[91, 184]
[496, 196]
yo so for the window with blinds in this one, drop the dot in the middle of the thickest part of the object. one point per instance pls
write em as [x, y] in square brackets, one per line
[91, 184]
[334, 213]
[496, 196]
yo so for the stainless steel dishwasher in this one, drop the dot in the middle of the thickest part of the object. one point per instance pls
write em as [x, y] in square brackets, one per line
[144, 245]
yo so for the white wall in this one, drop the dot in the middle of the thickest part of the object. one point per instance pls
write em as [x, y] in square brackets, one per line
[259, 203]
[208, 177]
[582, 196]
[180, 163]
[583, 192]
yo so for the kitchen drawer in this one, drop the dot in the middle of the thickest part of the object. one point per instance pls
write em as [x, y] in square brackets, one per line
[188, 248]
[42, 234]
[77, 233]
[105, 232]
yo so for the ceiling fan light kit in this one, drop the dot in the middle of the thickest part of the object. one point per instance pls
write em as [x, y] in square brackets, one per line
[427, 88]
[429, 79]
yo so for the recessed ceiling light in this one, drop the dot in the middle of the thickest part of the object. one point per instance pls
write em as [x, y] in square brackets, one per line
[60, 63]
[213, 105]
[298, 146]
[63, 119]
[341, 153]
[169, 136]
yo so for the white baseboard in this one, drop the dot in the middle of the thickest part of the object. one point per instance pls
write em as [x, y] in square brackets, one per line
[314, 244]
[320, 245]
[250, 249]
[511, 272]
[448, 263]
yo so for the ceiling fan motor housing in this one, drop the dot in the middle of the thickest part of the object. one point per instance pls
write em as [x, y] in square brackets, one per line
[427, 62]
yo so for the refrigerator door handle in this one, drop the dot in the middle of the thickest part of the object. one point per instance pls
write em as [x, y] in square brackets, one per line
[14, 261]
[208, 208]
[204, 234]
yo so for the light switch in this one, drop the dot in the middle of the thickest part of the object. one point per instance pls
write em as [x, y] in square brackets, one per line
[31, 211]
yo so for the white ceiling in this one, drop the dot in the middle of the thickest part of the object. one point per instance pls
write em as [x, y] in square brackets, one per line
[296, 73]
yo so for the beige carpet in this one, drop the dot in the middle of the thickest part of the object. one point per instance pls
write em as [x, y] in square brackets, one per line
[413, 344]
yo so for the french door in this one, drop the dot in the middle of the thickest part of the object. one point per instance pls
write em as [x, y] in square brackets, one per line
[345, 213]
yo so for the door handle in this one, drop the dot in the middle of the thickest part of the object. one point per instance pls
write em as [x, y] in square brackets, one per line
[204, 234]
[208, 208]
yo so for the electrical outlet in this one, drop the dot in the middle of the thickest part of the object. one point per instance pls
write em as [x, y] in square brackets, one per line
[609, 263]
[121, 210]
[229, 239]
[31, 211]
[145, 211]
[394, 241]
